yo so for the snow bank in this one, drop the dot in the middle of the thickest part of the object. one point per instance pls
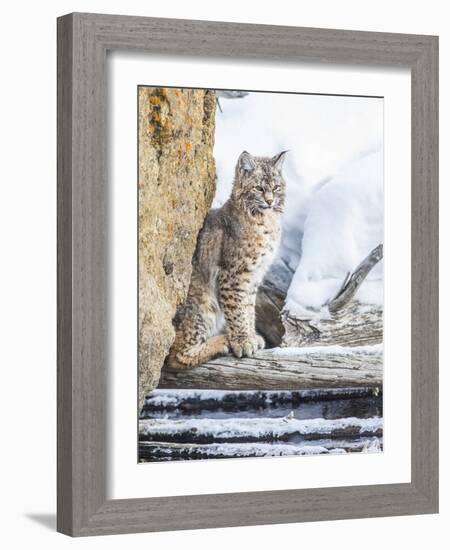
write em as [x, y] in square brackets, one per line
[334, 206]
[343, 223]
[322, 134]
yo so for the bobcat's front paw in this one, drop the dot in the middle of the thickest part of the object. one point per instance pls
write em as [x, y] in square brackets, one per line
[246, 346]
[260, 342]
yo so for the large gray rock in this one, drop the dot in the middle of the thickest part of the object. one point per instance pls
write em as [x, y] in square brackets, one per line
[177, 181]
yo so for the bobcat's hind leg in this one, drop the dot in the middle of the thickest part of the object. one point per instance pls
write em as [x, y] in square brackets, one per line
[185, 357]
[197, 339]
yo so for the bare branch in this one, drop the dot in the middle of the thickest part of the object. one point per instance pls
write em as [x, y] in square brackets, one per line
[352, 283]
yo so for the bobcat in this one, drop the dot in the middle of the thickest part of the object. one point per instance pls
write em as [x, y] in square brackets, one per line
[234, 249]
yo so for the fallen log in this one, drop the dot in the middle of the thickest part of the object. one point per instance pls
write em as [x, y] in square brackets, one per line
[285, 369]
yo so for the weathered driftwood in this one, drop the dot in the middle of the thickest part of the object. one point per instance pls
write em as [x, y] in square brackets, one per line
[270, 370]
[350, 323]
[355, 325]
[353, 281]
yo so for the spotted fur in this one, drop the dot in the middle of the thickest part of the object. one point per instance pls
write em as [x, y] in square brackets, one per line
[234, 249]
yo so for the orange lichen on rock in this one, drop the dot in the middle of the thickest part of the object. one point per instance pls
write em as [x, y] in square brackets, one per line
[176, 187]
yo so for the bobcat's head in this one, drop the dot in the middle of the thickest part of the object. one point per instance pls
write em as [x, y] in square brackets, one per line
[259, 186]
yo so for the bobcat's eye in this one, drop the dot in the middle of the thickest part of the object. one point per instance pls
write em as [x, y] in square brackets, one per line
[259, 188]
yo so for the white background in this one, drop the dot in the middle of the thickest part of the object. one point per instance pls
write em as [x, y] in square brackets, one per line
[28, 300]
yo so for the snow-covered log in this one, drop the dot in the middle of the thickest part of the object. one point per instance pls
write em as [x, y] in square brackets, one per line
[249, 430]
[195, 400]
[286, 369]
[155, 450]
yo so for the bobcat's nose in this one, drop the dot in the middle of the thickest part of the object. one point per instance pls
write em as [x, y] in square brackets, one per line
[269, 200]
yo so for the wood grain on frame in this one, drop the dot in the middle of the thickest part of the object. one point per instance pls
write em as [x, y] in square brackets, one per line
[83, 40]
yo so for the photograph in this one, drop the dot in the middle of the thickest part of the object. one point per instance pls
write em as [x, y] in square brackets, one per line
[260, 274]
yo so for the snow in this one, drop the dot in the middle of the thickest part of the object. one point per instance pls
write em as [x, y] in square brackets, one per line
[252, 449]
[171, 398]
[261, 428]
[372, 446]
[335, 350]
[334, 174]
[344, 222]
[321, 133]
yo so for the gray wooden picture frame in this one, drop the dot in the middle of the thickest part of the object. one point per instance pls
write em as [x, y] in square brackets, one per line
[83, 41]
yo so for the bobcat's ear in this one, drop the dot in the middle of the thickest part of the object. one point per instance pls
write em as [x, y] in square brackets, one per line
[246, 163]
[278, 160]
